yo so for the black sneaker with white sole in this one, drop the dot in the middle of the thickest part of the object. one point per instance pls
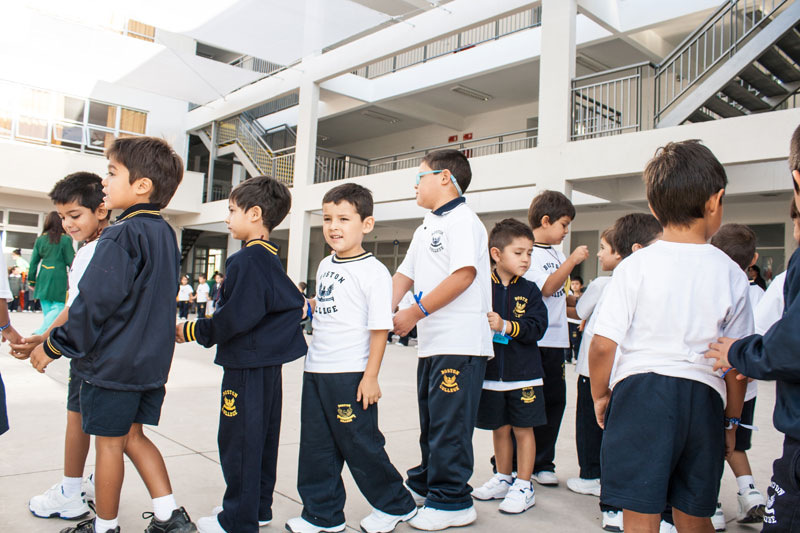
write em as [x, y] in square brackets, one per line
[179, 522]
[87, 526]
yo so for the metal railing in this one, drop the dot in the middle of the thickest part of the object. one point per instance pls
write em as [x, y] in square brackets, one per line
[717, 38]
[334, 166]
[256, 64]
[488, 31]
[610, 102]
[244, 133]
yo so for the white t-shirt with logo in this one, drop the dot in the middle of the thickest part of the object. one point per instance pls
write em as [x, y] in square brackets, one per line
[202, 293]
[185, 293]
[544, 261]
[666, 303]
[354, 296]
[444, 243]
[79, 264]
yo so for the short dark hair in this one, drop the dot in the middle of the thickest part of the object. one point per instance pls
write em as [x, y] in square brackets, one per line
[608, 236]
[738, 242]
[201, 276]
[794, 156]
[551, 204]
[153, 158]
[634, 228]
[454, 161]
[272, 196]
[793, 212]
[506, 231]
[578, 279]
[84, 188]
[354, 194]
[680, 179]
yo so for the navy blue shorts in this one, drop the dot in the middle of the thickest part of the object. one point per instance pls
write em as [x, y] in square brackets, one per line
[744, 435]
[3, 412]
[111, 413]
[74, 392]
[522, 408]
[664, 442]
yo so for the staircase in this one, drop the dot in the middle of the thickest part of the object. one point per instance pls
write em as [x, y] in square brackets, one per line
[744, 59]
[188, 238]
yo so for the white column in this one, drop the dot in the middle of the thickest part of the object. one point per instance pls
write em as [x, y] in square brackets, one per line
[556, 70]
[233, 246]
[239, 174]
[304, 165]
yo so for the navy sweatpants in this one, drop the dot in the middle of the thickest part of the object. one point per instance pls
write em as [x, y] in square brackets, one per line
[334, 429]
[249, 428]
[448, 394]
[555, 401]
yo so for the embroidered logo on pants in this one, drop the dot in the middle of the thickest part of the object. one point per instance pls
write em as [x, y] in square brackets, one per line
[448, 383]
[528, 396]
[229, 403]
[344, 412]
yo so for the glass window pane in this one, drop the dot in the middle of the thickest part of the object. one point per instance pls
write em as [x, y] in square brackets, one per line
[23, 219]
[768, 234]
[385, 248]
[34, 102]
[133, 121]
[100, 140]
[70, 108]
[102, 114]
[68, 133]
[19, 239]
[32, 128]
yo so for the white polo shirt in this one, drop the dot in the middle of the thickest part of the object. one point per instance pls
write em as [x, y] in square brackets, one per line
[450, 238]
[544, 261]
[79, 264]
[770, 308]
[354, 296]
[586, 307]
[666, 303]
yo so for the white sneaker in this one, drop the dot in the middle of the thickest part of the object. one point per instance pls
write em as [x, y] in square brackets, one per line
[380, 522]
[519, 499]
[218, 509]
[429, 519]
[209, 524]
[590, 487]
[718, 520]
[87, 486]
[300, 525]
[419, 499]
[494, 489]
[751, 506]
[612, 521]
[545, 477]
[666, 527]
[53, 504]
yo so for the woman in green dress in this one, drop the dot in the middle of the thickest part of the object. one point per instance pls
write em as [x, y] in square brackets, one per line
[55, 252]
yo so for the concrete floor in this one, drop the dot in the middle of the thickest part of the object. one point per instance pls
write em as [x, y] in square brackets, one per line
[31, 453]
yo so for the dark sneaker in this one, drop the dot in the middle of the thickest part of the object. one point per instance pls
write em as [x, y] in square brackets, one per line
[179, 522]
[87, 526]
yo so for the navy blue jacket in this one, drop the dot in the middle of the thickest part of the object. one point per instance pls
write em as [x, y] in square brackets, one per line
[257, 319]
[121, 328]
[776, 355]
[520, 304]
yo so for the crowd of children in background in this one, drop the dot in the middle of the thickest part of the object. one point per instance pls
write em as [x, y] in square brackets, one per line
[660, 332]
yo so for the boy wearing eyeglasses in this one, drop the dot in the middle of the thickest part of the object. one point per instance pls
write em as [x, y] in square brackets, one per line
[447, 265]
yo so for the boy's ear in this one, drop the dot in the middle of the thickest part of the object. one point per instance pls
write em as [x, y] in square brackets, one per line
[755, 257]
[143, 186]
[494, 252]
[254, 213]
[101, 212]
[796, 178]
[636, 246]
[714, 203]
[545, 221]
[368, 224]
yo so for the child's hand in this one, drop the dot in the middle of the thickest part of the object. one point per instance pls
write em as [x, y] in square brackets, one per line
[368, 391]
[23, 348]
[719, 351]
[495, 322]
[406, 319]
[10, 334]
[39, 359]
[179, 338]
[580, 254]
[600, 406]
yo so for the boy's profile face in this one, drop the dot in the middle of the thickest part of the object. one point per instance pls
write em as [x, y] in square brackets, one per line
[515, 258]
[553, 232]
[240, 222]
[609, 259]
[81, 223]
[343, 228]
[119, 192]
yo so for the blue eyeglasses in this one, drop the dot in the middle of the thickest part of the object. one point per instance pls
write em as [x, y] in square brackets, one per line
[452, 178]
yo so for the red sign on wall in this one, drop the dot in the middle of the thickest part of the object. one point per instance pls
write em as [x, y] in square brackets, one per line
[468, 136]
[452, 139]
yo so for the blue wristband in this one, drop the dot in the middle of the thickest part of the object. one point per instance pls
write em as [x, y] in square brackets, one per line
[310, 313]
[3, 328]
[418, 299]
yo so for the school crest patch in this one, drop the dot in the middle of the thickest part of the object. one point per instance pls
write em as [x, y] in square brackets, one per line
[528, 396]
[449, 383]
[344, 412]
[520, 303]
[229, 403]
[436, 241]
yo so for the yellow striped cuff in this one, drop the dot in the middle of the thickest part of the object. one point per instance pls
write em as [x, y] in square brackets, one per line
[514, 329]
[188, 331]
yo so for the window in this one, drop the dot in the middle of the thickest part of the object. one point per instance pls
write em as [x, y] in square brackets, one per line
[770, 249]
[23, 219]
[70, 108]
[132, 121]
[103, 115]
[19, 239]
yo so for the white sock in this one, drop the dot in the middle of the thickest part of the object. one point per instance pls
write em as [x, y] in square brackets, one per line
[744, 483]
[163, 507]
[504, 477]
[522, 483]
[101, 526]
[71, 486]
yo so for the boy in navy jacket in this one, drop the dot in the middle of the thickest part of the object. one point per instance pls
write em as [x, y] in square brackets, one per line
[512, 397]
[773, 356]
[120, 330]
[256, 327]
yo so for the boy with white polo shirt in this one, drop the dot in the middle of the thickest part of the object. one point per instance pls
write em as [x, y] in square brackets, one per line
[665, 436]
[550, 215]
[448, 265]
[339, 410]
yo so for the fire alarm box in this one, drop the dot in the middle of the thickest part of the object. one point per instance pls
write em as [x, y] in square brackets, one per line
[452, 139]
[467, 137]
